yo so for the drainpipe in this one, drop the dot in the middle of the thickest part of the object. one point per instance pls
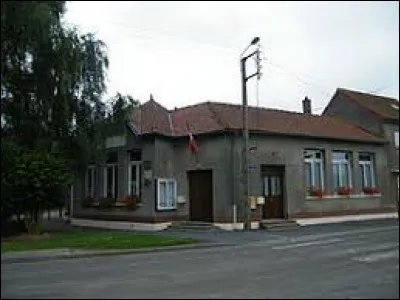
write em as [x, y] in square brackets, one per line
[234, 206]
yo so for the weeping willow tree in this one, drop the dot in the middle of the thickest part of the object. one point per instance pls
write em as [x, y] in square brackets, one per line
[52, 85]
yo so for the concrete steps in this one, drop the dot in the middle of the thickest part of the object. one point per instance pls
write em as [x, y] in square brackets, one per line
[278, 224]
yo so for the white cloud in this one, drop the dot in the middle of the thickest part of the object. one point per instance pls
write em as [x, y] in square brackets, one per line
[187, 52]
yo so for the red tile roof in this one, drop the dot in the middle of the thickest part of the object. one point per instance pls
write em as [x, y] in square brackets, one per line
[383, 107]
[211, 117]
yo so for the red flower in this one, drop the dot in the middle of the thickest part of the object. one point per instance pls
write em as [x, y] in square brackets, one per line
[371, 190]
[317, 191]
[344, 190]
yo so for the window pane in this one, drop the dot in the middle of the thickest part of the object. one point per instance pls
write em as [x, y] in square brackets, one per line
[362, 171]
[273, 185]
[368, 176]
[339, 155]
[109, 181]
[308, 154]
[317, 175]
[170, 194]
[345, 180]
[115, 182]
[162, 194]
[278, 186]
[93, 183]
[89, 182]
[133, 189]
[365, 157]
[307, 172]
[266, 186]
[336, 176]
[135, 154]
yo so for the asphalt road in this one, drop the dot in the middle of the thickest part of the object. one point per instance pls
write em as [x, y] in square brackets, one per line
[355, 260]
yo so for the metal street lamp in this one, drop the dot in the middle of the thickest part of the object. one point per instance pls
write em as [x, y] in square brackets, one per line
[245, 78]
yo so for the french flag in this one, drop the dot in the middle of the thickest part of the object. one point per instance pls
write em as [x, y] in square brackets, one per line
[193, 146]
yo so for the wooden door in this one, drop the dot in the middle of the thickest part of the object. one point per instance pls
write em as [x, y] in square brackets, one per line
[201, 195]
[273, 192]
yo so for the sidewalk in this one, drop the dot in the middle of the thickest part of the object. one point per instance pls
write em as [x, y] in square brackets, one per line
[66, 253]
[347, 218]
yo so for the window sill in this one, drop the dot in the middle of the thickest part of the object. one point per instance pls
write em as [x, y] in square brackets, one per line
[333, 197]
[117, 204]
[166, 209]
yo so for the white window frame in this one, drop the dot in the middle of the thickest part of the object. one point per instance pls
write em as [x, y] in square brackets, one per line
[175, 193]
[363, 163]
[113, 179]
[396, 139]
[343, 163]
[313, 161]
[91, 193]
[137, 164]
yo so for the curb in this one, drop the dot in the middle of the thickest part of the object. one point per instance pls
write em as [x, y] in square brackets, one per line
[71, 253]
[345, 219]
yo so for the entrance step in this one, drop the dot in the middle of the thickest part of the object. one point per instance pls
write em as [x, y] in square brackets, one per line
[278, 224]
[192, 225]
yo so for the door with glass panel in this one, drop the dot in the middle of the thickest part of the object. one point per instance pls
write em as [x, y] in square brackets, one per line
[273, 193]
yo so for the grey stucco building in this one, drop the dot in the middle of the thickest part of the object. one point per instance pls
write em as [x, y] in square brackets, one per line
[377, 114]
[301, 165]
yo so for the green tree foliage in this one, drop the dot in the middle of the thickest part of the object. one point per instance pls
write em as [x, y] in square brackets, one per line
[120, 110]
[53, 78]
[52, 85]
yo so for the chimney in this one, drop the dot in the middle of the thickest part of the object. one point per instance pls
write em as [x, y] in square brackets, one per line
[307, 106]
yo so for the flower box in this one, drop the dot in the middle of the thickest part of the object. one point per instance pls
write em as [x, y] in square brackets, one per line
[369, 190]
[344, 190]
[317, 192]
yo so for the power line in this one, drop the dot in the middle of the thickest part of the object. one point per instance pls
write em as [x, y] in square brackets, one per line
[380, 89]
[152, 34]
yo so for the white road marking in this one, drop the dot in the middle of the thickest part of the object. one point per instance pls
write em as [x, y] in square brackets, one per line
[377, 256]
[342, 233]
[306, 244]
[357, 250]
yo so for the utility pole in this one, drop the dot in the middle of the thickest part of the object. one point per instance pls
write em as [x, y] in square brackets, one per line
[245, 119]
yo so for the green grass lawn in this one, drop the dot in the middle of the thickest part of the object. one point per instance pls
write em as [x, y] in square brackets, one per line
[90, 239]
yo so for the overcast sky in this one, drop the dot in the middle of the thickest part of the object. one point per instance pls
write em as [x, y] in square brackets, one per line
[188, 52]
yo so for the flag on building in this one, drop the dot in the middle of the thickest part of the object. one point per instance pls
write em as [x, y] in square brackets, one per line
[193, 146]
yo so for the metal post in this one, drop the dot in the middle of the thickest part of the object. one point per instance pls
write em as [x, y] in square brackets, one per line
[247, 224]
[245, 167]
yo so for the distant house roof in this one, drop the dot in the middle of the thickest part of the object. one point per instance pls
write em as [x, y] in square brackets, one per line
[383, 107]
[210, 117]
